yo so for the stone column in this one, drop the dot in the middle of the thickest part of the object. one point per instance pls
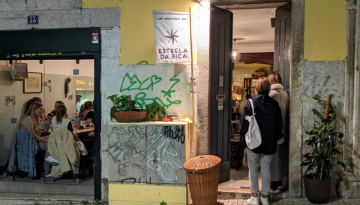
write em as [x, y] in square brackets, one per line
[296, 105]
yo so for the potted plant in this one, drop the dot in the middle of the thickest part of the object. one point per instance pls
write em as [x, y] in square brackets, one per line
[123, 109]
[154, 110]
[321, 158]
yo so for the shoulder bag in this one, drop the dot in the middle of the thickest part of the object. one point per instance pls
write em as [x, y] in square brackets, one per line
[253, 136]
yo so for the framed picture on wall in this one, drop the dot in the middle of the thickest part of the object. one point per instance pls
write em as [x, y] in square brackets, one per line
[33, 84]
[253, 82]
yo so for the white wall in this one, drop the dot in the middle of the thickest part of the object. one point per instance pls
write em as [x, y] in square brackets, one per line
[62, 67]
[254, 48]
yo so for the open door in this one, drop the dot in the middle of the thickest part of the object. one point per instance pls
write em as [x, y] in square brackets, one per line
[221, 25]
[282, 66]
[282, 43]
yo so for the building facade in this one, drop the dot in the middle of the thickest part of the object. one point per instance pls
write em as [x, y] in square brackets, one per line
[324, 58]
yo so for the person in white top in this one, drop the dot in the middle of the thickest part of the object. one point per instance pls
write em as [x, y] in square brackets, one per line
[60, 122]
[277, 93]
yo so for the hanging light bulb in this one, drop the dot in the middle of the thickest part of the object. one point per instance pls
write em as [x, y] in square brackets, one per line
[235, 55]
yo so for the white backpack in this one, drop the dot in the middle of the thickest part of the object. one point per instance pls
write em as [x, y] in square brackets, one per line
[253, 136]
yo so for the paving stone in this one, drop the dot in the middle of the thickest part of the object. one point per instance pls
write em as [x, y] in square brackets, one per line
[291, 201]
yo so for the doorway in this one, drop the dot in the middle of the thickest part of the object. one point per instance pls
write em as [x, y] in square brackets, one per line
[257, 37]
[52, 57]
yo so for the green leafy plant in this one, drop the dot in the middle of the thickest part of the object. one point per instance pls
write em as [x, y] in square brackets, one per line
[155, 109]
[163, 203]
[122, 103]
[322, 142]
[84, 202]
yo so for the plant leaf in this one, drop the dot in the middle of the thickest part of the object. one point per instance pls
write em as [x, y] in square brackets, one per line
[316, 97]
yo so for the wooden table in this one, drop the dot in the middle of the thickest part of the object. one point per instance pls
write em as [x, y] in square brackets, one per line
[91, 129]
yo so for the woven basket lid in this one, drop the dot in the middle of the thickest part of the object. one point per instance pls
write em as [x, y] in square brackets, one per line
[203, 162]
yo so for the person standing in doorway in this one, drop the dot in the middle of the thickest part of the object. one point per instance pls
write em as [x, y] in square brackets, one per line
[78, 103]
[268, 116]
[277, 93]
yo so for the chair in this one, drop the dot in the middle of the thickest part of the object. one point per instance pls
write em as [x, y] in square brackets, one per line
[89, 159]
[29, 162]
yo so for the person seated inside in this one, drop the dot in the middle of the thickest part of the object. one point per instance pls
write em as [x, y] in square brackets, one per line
[86, 111]
[64, 153]
[53, 113]
[60, 121]
[31, 101]
[32, 122]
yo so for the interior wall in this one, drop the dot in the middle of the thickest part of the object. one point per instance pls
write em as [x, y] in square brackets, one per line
[242, 71]
[254, 48]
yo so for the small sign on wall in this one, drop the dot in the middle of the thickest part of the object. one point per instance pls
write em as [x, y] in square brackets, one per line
[95, 37]
[33, 19]
[21, 71]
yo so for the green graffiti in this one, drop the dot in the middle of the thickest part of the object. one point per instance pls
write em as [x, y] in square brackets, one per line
[141, 98]
[168, 93]
[131, 83]
[136, 84]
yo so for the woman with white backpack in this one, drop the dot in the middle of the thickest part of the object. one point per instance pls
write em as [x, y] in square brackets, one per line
[260, 128]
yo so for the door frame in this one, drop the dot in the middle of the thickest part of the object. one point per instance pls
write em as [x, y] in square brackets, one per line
[55, 44]
[254, 3]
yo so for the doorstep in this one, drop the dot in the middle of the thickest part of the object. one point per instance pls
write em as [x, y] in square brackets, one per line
[243, 192]
[47, 188]
[42, 199]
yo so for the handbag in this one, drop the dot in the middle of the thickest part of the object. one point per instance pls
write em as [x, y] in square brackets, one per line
[81, 148]
[253, 136]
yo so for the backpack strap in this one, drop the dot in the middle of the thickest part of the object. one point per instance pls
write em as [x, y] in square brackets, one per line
[252, 106]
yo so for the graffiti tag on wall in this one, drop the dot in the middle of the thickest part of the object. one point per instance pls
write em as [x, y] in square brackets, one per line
[133, 83]
[147, 154]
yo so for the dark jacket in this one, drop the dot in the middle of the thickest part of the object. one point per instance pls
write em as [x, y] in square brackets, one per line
[268, 117]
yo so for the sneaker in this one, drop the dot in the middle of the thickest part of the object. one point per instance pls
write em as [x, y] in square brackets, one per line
[47, 176]
[52, 160]
[253, 201]
[274, 191]
[264, 201]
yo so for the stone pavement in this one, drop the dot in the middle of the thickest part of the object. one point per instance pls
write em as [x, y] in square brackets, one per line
[292, 201]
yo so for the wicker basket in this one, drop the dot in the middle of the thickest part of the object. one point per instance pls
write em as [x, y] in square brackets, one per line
[203, 178]
[130, 115]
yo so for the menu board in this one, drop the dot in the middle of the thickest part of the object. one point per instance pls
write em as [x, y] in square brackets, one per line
[21, 70]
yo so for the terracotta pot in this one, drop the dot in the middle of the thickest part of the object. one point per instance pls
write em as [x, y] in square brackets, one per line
[155, 117]
[318, 191]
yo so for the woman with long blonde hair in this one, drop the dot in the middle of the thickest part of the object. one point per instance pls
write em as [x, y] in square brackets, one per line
[32, 122]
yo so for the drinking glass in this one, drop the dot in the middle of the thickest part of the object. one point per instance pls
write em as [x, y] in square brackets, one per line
[90, 122]
[82, 123]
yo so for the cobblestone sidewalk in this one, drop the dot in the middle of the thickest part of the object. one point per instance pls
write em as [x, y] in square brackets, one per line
[297, 201]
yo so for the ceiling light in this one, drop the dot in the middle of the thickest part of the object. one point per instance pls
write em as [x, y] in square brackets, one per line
[235, 55]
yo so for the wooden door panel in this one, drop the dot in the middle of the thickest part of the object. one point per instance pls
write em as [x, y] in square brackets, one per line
[282, 43]
[220, 65]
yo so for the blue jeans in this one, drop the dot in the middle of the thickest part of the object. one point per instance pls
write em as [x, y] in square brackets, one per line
[277, 165]
[253, 163]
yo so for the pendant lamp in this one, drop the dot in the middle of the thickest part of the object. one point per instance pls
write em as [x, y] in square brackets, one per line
[235, 55]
